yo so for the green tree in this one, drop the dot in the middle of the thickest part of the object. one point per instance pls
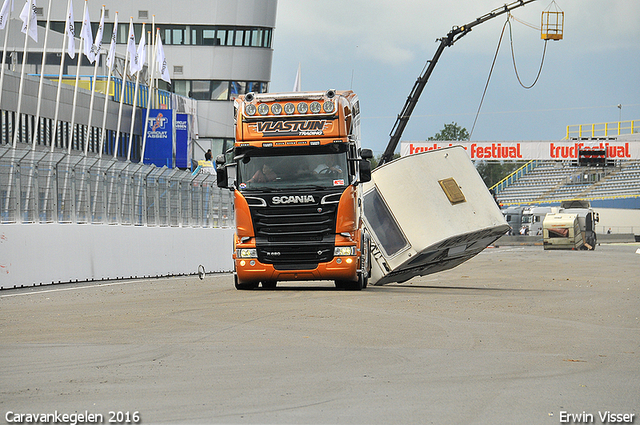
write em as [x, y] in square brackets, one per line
[375, 161]
[451, 132]
[494, 171]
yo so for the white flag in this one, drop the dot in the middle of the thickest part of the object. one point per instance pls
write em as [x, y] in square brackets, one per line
[97, 42]
[70, 30]
[112, 46]
[85, 34]
[162, 61]
[142, 49]
[131, 48]
[32, 18]
[7, 8]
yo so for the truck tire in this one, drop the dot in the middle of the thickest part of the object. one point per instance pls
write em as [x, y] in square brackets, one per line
[269, 284]
[365, 265]
[244, 286]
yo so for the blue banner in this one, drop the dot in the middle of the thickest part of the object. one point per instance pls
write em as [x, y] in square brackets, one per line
[159, 146]
[182, 141]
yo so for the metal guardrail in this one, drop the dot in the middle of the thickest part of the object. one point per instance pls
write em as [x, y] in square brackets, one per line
[55, 187]
[502, 184]
[605, 129]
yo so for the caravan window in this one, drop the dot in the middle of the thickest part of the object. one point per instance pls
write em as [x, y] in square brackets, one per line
[383, 224]
[559, 232]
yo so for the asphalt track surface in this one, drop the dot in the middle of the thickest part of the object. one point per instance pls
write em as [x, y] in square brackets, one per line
[515, 335]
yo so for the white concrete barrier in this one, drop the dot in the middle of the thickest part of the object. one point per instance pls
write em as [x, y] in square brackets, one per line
[40, 254]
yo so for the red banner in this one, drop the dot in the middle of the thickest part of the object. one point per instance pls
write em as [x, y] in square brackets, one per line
[524, 151]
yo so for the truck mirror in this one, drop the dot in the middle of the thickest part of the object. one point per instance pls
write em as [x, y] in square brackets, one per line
[366, 154]
[365, 170]
[222, 178]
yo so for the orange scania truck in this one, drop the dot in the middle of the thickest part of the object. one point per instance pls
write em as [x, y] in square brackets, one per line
[296, 169]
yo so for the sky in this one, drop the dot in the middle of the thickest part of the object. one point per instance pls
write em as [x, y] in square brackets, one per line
[379, 48]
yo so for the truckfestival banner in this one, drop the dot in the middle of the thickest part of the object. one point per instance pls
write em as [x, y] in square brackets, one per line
[528, 150]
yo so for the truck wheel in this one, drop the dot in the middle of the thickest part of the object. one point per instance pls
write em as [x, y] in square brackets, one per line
[242, 286]
[269, 284]
[357, 285]
[366, 259]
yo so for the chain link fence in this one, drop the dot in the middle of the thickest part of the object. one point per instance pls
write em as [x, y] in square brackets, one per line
[56, 187]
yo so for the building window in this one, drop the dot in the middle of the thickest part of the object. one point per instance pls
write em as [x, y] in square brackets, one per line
[195, 35]
[219, 90]
[216, 90]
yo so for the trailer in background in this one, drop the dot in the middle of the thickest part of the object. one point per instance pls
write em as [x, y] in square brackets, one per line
[572, 226]
[562, 231]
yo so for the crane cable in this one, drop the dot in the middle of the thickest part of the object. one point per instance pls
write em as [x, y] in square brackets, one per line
[488, 79]
[508, 22]
[513, 56]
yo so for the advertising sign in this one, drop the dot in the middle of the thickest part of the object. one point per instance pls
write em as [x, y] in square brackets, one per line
[514, 151]
[159, 145]
[182, 141]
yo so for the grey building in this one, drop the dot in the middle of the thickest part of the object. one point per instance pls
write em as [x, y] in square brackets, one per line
[215, 50]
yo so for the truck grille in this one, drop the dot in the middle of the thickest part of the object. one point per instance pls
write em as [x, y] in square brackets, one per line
[295, 235]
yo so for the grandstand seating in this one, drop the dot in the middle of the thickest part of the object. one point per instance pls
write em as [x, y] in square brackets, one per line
[553, 181]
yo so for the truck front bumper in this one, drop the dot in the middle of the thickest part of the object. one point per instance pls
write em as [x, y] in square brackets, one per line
[339, 268]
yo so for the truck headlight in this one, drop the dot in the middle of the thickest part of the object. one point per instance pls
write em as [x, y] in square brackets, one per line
[303, 108]
[289, 108]
[263, 109]
[250, 109]
[315, 107]
[344, 251]
[328, 107]
[247, 253]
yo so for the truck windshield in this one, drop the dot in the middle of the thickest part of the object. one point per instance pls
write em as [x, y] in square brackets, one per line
[293, 171]
[526, 219]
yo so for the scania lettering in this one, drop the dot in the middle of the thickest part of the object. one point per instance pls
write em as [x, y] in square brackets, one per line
[297, 170]
[292, 199]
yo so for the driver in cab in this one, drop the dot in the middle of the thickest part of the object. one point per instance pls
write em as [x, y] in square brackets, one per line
[330, 166]
[265, 174]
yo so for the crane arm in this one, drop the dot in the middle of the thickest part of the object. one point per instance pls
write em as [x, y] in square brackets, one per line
[454, 35]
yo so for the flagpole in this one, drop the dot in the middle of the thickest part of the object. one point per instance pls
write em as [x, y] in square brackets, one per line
[24, 62]
[44, 58]
[106, 94]
[4, 50]
[62, 58]
[96, 44]
[135, 98]
[124, 78]
[75, 90]
[146, 121]
[55, 117]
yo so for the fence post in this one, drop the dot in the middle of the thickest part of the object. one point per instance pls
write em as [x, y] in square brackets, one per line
[119, 198]
[36, 195]
[18, 193]
[54, 193]
[180, 194]
[105, 219]
[72, 215]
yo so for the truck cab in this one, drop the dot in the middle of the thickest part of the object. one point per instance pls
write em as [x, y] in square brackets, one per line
[296, 170]
[532, 218]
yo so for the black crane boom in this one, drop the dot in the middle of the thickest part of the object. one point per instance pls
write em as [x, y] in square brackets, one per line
[454, 35]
